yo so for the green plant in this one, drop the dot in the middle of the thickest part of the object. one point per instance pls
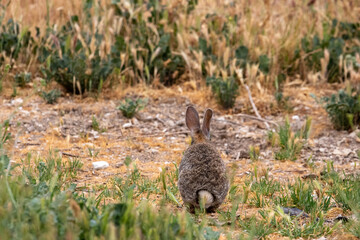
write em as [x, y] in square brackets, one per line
[293, 227]
[51, 96]
[74, 64]
[254, 152]
[339, 40]
[21, 79]
[257, 228]
[44, 205]
[4, 137]
[3, 76]
[130, 107]
[290, 144]
[95, 125]
[225, 91]
[343, 109]
[13, 40]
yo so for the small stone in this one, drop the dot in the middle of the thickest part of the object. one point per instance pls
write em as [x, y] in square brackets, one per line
[17, 101]
[135, 121]
[296, 118]
[119, 164]
[127, 125]
[100, 165]
[154, 150]
[322, 150]
[337, 152]
[25, 113]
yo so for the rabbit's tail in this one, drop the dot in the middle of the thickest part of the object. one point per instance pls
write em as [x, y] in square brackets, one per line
[206, 197]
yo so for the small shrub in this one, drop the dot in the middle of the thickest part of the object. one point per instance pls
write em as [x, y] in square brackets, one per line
[13, 40]
[343, 109]
[51, 96]
[130, 107]
[21, 79]
[225, 91]
[71, 63]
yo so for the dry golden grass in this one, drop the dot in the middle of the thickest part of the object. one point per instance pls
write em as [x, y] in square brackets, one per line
[274, 28]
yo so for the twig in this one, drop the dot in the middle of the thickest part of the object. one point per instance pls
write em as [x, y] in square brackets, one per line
[256, 118]
[254, 107]
[70, 155]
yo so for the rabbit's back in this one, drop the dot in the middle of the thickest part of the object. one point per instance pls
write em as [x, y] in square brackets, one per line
[202, 168]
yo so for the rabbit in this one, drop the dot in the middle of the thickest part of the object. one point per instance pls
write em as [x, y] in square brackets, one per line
[202, 172]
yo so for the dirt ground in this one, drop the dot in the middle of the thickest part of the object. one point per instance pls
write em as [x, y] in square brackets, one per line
[157, 136]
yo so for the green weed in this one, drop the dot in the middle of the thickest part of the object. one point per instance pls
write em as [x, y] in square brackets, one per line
[130, 107]
[254, 152]
[95, 125]
[225, 91]
[343, 109]
[289, 143]
[21, 79]
[51, 96]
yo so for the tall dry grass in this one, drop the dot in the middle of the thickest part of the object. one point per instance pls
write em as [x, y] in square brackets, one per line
[270, 27]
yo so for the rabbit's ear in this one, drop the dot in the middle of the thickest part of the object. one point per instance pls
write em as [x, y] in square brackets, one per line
[192, 119]
[206, 123]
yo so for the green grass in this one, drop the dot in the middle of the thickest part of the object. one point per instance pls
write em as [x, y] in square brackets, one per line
[289, 143]
[40, 201]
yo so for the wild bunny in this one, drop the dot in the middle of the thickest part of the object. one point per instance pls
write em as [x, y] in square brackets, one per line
[202, 172]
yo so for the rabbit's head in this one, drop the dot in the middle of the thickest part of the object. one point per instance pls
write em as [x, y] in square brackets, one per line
[198, 134]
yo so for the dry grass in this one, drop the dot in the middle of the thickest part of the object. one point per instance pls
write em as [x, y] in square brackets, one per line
[274, 28]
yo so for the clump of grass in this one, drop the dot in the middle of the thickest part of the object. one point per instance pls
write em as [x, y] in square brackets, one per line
[3, 75]
[130, 107]
[95, 125]
[41, 203]
[344, 109]
[225, 91]
[51, 96]
[254, 152]
[288, 142]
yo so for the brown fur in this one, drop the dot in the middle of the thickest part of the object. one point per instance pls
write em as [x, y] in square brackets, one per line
[201, 167]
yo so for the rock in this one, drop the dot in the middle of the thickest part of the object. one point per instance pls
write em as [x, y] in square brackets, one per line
[100, 165]
[294, 212]
[344, 152]
[17, 101]
[134, 121]
[341, 218]
[94, 134]
[296, 118]
[25, 113]
[154, 150]
[119, 164]
[127, 125]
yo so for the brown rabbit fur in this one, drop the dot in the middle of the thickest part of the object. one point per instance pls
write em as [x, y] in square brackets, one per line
[202, 172]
